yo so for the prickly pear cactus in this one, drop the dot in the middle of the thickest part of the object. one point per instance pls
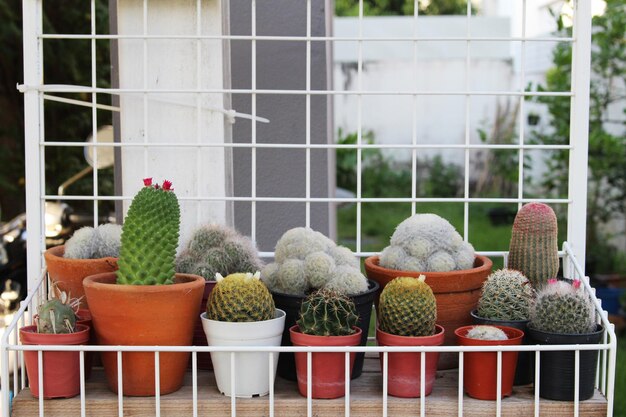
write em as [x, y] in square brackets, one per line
[240, 298]
[563, 308]
[486, 333]
[150, 237]
[507, 295]
[534, 249]
[55, 317]
[407, 307]
[327, 313]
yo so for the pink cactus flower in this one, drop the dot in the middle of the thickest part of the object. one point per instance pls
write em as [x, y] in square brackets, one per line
[576, 283]
[147, 182]
[552, 281]
[167, 185]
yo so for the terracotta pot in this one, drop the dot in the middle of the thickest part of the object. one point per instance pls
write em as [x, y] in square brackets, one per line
[199, 338]
[404, 368]
[480, 368]
[61, 370]
[83, 316]
[132, 315]
[68, 274]
[456, 292]
[328, 369]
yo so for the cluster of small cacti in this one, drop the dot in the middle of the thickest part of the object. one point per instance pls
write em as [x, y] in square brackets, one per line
[93, 243]
[150, 236]
[534, 248]
[507, 295]
[427, 243]
[486, 333]
[307, 260]
[216, 249]
[563, 308]
[327, 313]
[240, 297]
[407, 307]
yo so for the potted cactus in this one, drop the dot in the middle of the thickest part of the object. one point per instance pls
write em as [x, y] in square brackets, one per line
[241, 312]
[506, 301]
[215, 249]
[407, 313]
[534, 249]
[480, 369]
[89, 251]
[426, 244]
[327, 318]
[564, 314]
[145, 302]
[56, 324]
[305, 261]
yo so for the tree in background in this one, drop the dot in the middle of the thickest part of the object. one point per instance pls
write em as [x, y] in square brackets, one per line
[607, 142]
[401, 7]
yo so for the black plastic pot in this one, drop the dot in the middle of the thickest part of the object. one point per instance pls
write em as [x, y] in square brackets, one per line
[525, 360]
[558, 367]
[290, 304]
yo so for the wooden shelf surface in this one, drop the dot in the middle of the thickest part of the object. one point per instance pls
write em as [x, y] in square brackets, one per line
[365, 401]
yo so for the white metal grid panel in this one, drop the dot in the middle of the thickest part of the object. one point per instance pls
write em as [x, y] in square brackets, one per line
[36, 92]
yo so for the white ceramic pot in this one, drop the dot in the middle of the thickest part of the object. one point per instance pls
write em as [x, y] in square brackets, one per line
[251, 368]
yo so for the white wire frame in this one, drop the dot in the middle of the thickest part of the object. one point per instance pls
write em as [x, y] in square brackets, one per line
[36, 93]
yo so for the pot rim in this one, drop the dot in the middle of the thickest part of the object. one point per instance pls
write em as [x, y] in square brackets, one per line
[372, 263]
[57, 252]
[95, 282]
[58, 338]
[371, 283]
[599, 327]
[296, 329]
[414, 340]
[280, 315]
[517, 340]
[474, 313]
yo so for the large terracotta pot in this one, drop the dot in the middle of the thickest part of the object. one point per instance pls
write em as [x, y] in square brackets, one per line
[61, 370]
[132, 315]
[456, 292]
[68, 274]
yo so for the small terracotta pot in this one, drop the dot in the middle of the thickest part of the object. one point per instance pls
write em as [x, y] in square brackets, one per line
[83, 316]
[480, 368]
[68, 274]
[144, 315]
[456, 292]
[328, 369]
[199, 338]
[404, 368]
[61, 370]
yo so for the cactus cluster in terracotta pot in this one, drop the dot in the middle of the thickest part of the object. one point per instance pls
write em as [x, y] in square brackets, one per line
[407, 307]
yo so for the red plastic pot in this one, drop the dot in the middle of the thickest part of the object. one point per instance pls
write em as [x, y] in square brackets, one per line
[328, 369]
[404, 368]
[199, 338]
[61, 370]
[480, 368]
[83, 316]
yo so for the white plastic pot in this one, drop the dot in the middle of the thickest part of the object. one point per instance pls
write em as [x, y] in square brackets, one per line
[251, 368]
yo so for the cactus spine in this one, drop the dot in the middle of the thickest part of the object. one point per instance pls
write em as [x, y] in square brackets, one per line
[327, 313]
[150, 237]
[407, 307]
[240, 298]
[486, 333]
[534, 249]
[507, 295]
[563, 308]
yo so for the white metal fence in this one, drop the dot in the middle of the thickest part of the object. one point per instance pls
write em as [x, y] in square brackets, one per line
[36, 93]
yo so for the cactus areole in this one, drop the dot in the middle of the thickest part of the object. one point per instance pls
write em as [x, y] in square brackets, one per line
[150, 236]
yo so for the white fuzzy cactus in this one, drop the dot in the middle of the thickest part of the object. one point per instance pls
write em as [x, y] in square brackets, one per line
[486, 333]
[427, 243]
[90, 243]
[307, 260]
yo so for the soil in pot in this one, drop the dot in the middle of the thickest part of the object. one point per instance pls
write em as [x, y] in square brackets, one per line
[68, 274]
[199, 337]
[291, 305]
[456, 292]
[328, 369]
[524, 370]
[480, 368]
[251, 368]
[404, 368]
[61, 370]
[557, 368]
[144, 315]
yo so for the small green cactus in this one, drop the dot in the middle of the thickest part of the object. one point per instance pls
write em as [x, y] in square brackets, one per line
[534, 249]
[563, 308]
[407, 307]
[216, 249]
[507, 295]
[93, 243]
[486, 333]
[150, 237]
[327, 313]
[58, 314]
[240, 298]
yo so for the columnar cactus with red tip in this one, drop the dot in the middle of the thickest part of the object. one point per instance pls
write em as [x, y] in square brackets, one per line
[534, 249]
